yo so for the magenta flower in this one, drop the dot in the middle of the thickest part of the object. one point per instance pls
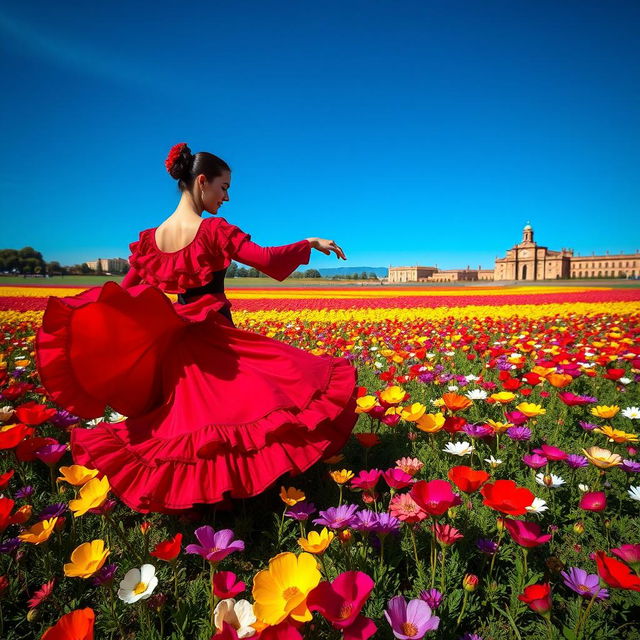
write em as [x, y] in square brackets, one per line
[301, 511]
[214, 545]
[50, 453]
[593, 501]
[552, 453]
[341, 601]
[576, 461]
[534, 460]
[432, 597]
[516, 418]
[526, 534]
[366, 480]
[397, 478]
[410, 621]
[584, 584]
[629, 553]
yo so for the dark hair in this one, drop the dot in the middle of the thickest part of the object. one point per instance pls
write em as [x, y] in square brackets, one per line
[187, 166]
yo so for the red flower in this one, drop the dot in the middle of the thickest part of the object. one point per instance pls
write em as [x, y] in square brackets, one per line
[6, 505]
[26, 450]
[227, 585]
[466, 478]
[76, 625]
[368, 440]
[538, 597]
[526, 534]
[505, 496]
[341, 601]
[4, 585]
[615, 573]
[453, 424]
[12, 437]
[5, 477]
[41, 594]
[593, 501]
[175, 151]
[614, 374]
[168, 550]
[34, 414]
[434, 497]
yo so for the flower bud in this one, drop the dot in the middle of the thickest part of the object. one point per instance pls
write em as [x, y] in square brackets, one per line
[33, 615]
[345, 535]
[578, 527]
[59, 525]
[607, 523]
[470, 582]
[500, 524]
[451, 512]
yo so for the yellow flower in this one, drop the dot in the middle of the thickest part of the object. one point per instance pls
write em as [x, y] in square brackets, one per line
[393, 394]
[39, 532]
[365, 403]
[531, 410]
[616, 435]
[342, 476]
[603, 411]
[413, 412]
[282, 589]
[431, 422]
[503, 397]
[92, 495]
[316, 542]
[602, 458]
[76, 474]
[86, 559]
[291, 495]
[499, 427]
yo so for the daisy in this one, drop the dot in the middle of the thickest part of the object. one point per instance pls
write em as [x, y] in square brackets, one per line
[633, 413]
[458, 448]
[476, 394]
[537, 506]
[138, 584]
[624, 380]
[549, 480]
[493, 462]
[471, 378]
[583, 487]
[634, 492]
[453, 387]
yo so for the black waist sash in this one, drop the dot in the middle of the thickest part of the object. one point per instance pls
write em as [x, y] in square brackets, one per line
[215, 285]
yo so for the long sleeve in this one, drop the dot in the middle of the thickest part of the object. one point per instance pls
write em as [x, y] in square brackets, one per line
[277, 262]
[131, 278]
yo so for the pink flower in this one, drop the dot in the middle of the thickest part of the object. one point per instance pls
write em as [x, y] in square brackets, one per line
[630, 553]
[593, 501]
[227, 585]
[366, 480]
[446, 534]
[41, 594]
[526, 534]
[552, 453]
[397, 478]
[341, 601]
[406, 509]
[434, 497]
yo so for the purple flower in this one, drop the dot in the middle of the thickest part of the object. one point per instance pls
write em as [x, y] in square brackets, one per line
[427, 377]
[583, 583]
[365, 520]
[519, 433]
[214, 545]
[410, 621]
[10, 545]
[576, 461]
[630, 466]
[105, 575]
[50, 453]
[300, 511]
[487, 546]
[477, 430]
[587, 426]
[54, 510]
[432, 597]
[534, 460]
[24, 492]
[387, 524]
[63, 419]
[338, 517]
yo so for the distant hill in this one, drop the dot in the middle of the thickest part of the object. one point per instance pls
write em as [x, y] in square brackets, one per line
[343, 271]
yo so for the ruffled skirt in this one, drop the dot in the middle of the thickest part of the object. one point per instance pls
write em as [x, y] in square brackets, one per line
[211, 409]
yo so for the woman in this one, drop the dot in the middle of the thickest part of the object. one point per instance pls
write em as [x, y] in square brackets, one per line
[212, 411]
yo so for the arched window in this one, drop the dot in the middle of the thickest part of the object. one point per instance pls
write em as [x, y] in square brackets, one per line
[524, 272]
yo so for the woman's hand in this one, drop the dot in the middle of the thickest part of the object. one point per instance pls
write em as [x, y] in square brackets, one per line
[327, 246]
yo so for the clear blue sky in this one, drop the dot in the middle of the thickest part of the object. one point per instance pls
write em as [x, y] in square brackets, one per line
[410, 132]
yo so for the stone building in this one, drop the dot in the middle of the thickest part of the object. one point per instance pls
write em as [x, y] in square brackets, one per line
[110, 265]
[410, 274]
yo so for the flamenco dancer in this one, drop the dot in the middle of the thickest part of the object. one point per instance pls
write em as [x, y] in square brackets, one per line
[212, 411]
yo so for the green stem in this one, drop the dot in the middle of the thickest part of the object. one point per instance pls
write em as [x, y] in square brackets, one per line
[583, 621]
[174, 564]
[464, 606]
[442, 568]
[415, 548]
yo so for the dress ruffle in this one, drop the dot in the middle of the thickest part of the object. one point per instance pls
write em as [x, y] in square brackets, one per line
[210, 408]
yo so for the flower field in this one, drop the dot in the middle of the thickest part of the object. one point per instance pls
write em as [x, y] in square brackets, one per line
[491, 488]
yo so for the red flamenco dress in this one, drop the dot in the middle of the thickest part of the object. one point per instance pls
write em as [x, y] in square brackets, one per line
[210, 408]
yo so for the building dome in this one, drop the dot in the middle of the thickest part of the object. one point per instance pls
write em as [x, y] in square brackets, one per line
[528, 227]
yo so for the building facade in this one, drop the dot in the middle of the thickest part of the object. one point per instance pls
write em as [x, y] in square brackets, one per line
[529, 261]
[110, 265]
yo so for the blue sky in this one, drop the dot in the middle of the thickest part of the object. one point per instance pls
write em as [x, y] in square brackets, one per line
[409, 132]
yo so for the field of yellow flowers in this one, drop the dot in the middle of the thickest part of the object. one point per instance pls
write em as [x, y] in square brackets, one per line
[491, 488]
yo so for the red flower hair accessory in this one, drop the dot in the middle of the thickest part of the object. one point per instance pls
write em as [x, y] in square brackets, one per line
[175, 152]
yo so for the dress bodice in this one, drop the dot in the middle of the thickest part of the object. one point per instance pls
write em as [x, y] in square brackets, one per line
[215, 285]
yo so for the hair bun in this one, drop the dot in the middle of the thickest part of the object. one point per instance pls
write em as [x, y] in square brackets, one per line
[178, 162]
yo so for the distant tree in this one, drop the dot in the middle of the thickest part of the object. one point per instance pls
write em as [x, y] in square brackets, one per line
[372, 276]
[312, 273]
[54, 267]
[85, 268]
[253, 273]
[242, 272]
[232, 270]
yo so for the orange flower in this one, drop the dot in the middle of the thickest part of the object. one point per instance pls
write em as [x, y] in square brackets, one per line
[291, 496]
[430, 422]
[92, 495]
[340, 477]
[456, 402]
[560, 380]
[76, 625]
[77, 474]
[39, 532]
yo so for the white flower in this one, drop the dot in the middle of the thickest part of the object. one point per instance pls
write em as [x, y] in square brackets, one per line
[378, 364]
[138, 583]
[583, 487]
[634, 492]
[633, 413]
[549, 480]
[471, 378]
[458, 448]
[238, 614]
[494, 462]
[431, 356]
[624, 380]
[116, 417]
[449, 353]
[537, 506]
[476, 394]
[453, 387]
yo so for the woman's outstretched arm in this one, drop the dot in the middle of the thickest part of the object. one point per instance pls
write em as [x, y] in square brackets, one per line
[277, 262]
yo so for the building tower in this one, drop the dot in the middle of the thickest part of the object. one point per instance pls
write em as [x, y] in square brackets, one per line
[527, 233]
